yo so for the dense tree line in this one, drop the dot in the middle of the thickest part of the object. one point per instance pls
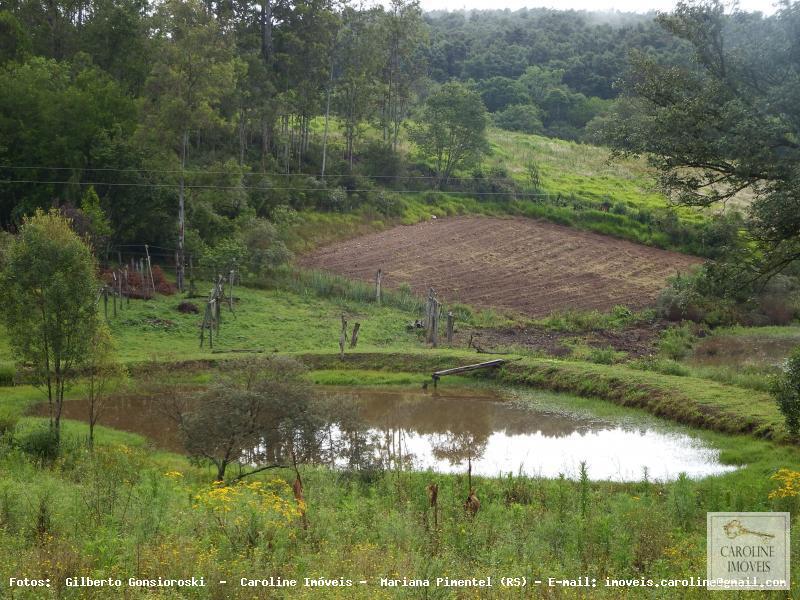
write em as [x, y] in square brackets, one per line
[202, 105]
[543, 70]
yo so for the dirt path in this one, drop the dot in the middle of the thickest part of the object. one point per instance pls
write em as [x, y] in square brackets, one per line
[529, 266]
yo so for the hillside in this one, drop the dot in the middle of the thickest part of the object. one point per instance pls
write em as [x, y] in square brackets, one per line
[580, 185]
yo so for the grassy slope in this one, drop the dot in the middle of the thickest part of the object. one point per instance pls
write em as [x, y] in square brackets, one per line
[567, 169]
[581, 169]
[264, 321]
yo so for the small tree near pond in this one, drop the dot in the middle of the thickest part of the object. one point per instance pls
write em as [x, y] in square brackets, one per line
[103, 374]
[48, 294]
[786, 391]
[257, 414]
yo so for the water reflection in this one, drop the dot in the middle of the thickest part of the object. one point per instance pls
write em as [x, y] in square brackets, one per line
[451, 430]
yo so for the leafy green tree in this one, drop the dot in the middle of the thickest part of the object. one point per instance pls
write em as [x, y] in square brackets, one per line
[246, 414]
[451, 130]
[115, 35]
[405, 39]
[55, 115]
[726, 122]
[538, 81]
[103, 372]
[521, 117]
[14, 42]
[498, 93]
[304, 44]
[48, 289]
[266, 249]
[356, 70]
[786, 391]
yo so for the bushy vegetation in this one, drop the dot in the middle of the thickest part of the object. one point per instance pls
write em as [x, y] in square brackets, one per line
[719, 295]
[786, 390]
[580, 321]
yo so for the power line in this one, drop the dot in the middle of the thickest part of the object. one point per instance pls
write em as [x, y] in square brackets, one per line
[265, 189]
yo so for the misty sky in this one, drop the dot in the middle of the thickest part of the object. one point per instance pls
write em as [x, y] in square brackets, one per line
[765, 6]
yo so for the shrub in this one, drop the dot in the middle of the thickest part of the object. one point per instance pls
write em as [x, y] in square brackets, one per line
[380, 160]
[680, 299]
[665, 367]
[389, 204]
[8, 422]
[265, 250]
[41, 443]
[224, 256]
[604, 356]
[724, 294]
[676, 342]
[187, 307]
[524, 118]
[786, 391]
[6, 374]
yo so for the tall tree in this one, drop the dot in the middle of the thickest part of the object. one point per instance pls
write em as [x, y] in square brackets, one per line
[356, 64]
[451, 130]
[405, 38]
[55, 117]
[303, 46]
[48, 290]
[728, 122]
[195, 70]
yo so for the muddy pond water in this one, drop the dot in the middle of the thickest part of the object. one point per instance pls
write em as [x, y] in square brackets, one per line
[444, 430]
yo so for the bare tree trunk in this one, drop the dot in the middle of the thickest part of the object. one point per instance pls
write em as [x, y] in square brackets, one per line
[327, 116]
[242, 136]
[266, 30]
[181, 215]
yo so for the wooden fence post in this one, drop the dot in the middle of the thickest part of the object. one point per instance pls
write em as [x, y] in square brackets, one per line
[150, 269]
[127, 288]
[354, 337]
[450, 326]
[119, 289]
[230, 290]
[105, 301]
[435, 312]
[378, 279]
[114, 293]
[192, 290]
[343, 337]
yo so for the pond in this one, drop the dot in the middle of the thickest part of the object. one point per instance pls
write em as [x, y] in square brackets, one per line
[445, 430]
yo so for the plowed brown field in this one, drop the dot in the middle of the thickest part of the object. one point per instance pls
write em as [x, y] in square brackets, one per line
[525, 265]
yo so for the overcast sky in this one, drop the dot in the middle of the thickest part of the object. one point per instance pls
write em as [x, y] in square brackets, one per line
[765, 6]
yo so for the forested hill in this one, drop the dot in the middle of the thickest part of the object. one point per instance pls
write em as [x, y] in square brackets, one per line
[564, 63]
[590, 50]
[120, 111]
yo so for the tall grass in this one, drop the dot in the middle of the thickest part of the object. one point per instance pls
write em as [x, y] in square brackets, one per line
[6, 374]
[329, 285]
[323, 284]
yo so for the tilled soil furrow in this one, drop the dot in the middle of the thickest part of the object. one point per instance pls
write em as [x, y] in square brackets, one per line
[521, 264]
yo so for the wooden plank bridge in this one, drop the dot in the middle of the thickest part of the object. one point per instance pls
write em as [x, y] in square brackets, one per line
[489, 364]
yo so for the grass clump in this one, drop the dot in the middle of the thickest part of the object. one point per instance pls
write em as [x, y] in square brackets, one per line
[676, 342]
[574, 321]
